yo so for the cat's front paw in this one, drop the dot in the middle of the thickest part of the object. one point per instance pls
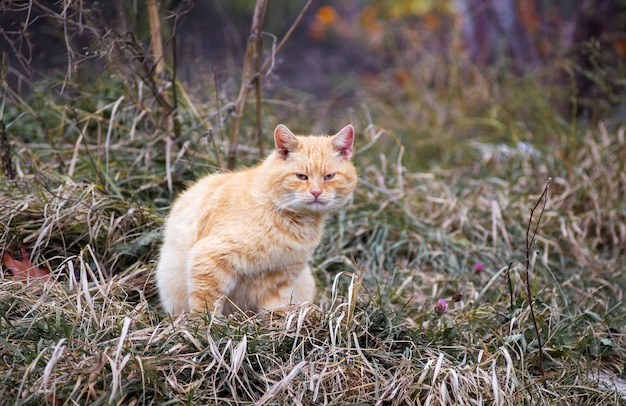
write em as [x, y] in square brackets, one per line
[201, 305]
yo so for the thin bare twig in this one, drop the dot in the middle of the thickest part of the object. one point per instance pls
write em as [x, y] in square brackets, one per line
[529, 243]
[219, 121]
[174, 112]
[131, 45]
[68, 46]
[246, 78]
[257, 83]
[286, 37]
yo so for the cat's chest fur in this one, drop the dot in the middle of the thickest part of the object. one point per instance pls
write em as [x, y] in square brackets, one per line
[249, 226]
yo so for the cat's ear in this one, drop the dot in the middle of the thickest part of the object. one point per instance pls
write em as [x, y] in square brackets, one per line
[285, 141]
[343, 142]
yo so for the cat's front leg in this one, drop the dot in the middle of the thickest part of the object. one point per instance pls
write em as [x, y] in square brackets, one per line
[210, 277]
[298, 289]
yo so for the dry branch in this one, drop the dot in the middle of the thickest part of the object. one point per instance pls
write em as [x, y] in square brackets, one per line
[155, 36]
[169, 113]
[268, 63]
[247, 76]
[257, 84]
[529, 242]
[251, 72]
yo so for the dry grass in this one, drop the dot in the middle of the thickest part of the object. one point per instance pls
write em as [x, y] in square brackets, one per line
[95, 334]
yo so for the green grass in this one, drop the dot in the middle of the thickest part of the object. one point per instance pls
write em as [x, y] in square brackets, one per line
[91, 195]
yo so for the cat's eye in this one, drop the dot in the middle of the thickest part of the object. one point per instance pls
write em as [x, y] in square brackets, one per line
[329, 176]
[302, 176]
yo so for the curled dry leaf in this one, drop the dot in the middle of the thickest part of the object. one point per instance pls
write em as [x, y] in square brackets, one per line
[23, 269]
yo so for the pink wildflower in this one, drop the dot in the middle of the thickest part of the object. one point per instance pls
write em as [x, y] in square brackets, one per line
[441, 306]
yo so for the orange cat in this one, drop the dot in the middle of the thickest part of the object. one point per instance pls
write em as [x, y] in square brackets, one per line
[243, 240]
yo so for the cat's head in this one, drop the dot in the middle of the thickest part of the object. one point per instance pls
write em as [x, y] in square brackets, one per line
[312, 173]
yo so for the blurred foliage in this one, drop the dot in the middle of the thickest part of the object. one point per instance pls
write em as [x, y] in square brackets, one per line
[434, 75]
[407, 8]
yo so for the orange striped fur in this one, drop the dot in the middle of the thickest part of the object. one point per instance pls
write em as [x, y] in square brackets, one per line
[243, 240]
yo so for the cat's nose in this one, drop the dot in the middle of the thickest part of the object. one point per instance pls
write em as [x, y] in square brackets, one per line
[316, 192]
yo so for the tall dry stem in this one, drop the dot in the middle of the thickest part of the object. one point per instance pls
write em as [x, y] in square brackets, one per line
[169, 110]
[529, 242]
[247, 76]
[252, 73]
[155, 36]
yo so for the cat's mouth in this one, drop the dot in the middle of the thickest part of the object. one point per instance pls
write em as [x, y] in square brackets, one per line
[317, 203]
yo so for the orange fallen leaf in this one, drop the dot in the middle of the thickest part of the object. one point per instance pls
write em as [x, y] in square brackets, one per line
[23, 269]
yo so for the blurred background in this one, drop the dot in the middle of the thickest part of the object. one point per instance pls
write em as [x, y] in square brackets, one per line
[435, 75]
